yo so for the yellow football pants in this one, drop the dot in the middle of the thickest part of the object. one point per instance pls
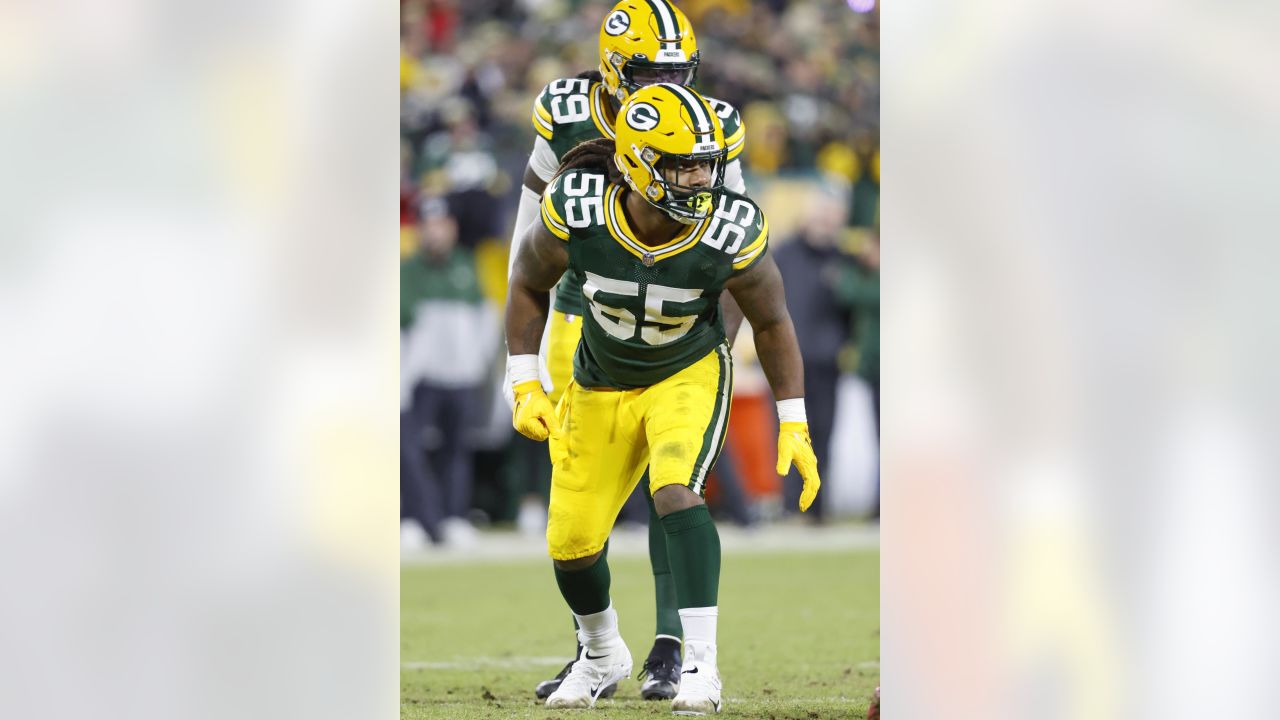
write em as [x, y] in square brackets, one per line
[562, 343]
[676, 428]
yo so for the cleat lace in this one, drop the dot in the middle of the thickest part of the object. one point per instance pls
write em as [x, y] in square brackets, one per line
[656, 667]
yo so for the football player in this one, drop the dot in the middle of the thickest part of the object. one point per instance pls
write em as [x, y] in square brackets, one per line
[643, 221]
[641, 42]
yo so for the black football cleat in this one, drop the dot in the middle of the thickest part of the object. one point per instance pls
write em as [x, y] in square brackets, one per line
[661, 672]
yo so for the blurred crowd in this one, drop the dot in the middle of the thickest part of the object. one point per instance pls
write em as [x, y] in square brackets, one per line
[805, 76]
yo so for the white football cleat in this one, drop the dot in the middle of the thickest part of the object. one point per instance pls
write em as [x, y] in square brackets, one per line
[594, 671]
[699, 690]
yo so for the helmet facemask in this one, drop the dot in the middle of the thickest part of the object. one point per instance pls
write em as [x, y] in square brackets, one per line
[672, 191]
[637, 72]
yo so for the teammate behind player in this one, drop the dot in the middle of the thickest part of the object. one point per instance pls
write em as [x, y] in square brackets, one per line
[641, 42]
[646, 224]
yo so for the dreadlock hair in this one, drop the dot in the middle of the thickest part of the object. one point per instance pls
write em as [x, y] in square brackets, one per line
[592, 75]
[591, 155]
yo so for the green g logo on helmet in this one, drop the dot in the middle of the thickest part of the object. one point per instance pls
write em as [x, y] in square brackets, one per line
[665, 134]
[643, 42]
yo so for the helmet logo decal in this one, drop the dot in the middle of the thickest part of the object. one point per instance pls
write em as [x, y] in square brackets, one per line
[617, 23]
[642, 116]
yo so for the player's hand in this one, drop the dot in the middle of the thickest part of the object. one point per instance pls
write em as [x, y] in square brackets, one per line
[533, 415]
[794, 446]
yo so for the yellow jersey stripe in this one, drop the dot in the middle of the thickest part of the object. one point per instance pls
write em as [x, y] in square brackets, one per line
[542, 112]
[542, 129]
[539, 120]
[551, 208]
[757, 246]
[555, 228]
[754, 244]
[616, 223]
[611, 224]
[742, 262]
[736, 150]
[597, 111]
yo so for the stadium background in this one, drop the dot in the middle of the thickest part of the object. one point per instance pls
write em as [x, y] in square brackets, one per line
[805, 77]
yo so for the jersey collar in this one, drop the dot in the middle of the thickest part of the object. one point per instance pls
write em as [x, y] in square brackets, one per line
[616, 222]
[598, 100]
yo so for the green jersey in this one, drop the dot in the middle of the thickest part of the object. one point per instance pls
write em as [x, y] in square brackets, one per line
[569, 111]
[651, 310]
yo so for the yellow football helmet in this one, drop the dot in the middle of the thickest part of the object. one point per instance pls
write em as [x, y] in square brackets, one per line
[666, 133]
[644, 42]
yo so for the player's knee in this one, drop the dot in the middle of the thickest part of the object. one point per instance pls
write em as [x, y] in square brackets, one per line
[570, 542]
[673, 498]
[581, 563]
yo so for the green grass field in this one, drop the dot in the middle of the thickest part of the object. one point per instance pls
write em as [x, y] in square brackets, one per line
[799, 637]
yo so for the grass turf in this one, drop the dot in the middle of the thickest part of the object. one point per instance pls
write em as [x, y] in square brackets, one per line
[798, 637]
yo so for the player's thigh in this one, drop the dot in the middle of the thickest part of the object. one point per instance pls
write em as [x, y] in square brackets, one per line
[564, 331]
[604, 454]
[686, 419]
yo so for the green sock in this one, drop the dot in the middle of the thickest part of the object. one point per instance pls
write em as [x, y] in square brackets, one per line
[664, 585]
[586, 590]
[693, 546]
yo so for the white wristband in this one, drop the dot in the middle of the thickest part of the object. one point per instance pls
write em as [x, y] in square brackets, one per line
[521, 368]
[792, 410]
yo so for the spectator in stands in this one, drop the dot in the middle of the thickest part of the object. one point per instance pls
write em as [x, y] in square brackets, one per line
[859, 289]
[810, 265]
[461, 158]
[450, 335]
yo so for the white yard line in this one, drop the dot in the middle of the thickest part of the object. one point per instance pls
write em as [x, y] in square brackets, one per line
[483, 663]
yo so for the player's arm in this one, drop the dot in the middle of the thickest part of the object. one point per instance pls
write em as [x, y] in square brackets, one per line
[732, 317]
[541, 260]
[541, 167]
[759, 293]
[538, 172]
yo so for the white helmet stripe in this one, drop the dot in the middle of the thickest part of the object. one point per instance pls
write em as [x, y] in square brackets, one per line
[700, 118]
[666, 19]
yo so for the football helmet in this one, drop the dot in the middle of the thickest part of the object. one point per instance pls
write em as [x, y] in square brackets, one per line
[644, 42]
[670, 148]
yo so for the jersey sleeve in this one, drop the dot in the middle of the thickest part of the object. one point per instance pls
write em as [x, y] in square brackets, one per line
[735, 133]
[542, 122]
[733, 177]
[543, 159]
[552, 209]
[754, 248]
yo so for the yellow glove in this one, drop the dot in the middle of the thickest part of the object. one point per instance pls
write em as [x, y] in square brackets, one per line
[533, 415]
[794, 446]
